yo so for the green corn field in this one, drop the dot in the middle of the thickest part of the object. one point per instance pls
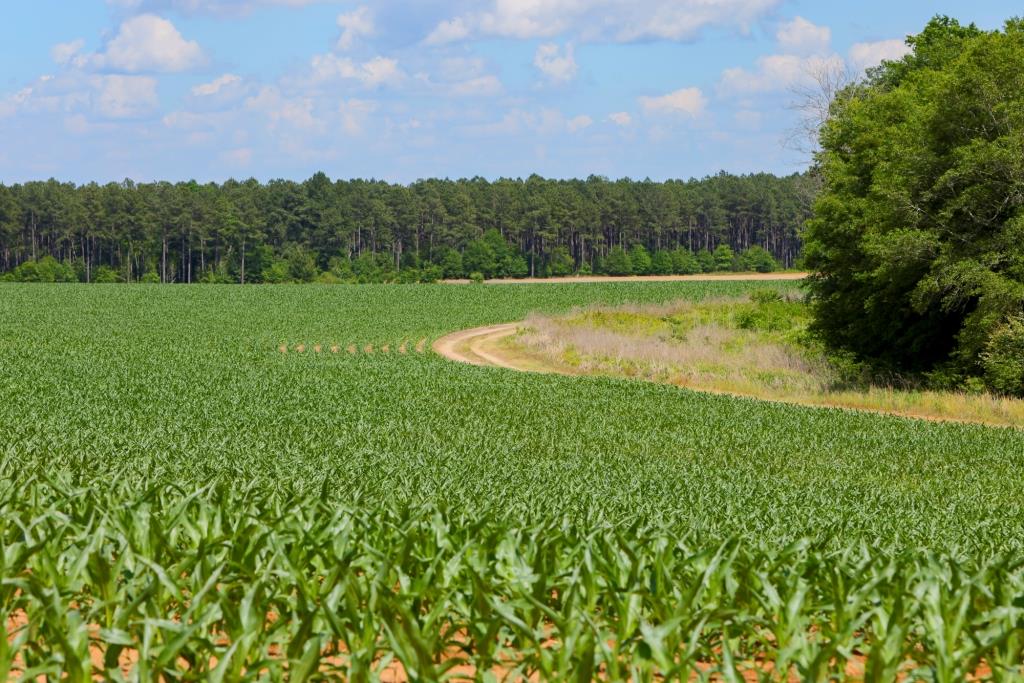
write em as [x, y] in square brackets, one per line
[241, 483]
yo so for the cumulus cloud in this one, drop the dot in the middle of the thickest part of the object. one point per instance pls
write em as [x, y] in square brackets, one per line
[546, 121]
[354, 114]
[221, 7]
[373, 73]
[600, 20]
[866, 55]
[556, 64]
[354, 25]
[480, 86]
[621, 118]
[462, 77]
[448, 31]
[800, 36]
[777, 73]
[578, 123]
[148, 43]
[294, 112]
[121, 97]
[216, 86]
[73, 93]
[65, 53]
[689, 102]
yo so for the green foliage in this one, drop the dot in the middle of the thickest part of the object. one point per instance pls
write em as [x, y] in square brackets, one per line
[451, 264]
[661, 263]
[479, 256]
[617, 262]
[46, 269]
[640, 260]
[917, 242]
[476, 277]
[181, 496]
[277, 271]
[104, 275]
[724, 258]
[757, 259]
[1003, 358]
[706, 261]
[150, 278]
[560, 262]
[684, 262]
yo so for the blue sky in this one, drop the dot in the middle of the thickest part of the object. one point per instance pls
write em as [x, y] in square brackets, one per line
[211, 89]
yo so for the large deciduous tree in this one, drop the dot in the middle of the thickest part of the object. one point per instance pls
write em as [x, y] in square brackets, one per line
[917, 239]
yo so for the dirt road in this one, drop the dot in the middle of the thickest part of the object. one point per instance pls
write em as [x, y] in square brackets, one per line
[468, 346]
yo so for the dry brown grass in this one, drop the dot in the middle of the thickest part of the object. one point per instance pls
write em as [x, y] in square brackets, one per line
[637, 342]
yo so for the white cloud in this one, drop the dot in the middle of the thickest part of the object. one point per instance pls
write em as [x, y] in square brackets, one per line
[120, 97]
[294, 112]
[866, 55]
[221, 7]
[543, 122]
[480, 86]
[593, 20]
[578, 123]
[687, 101]
[148, 43]
[354, 114]
[803, 37]
[448, 31]
[621, 118]
[558, 65]
[216, 86]
[354, 25]
[375, 72]
[775, 73]
[64, 53]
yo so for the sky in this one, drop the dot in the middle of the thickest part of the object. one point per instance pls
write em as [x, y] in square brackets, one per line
[103, 90]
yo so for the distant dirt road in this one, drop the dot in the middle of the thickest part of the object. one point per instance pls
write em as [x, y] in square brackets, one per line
[642, 278]
[467, 346]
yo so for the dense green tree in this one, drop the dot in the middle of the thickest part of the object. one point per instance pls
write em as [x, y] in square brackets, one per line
[917, 240]
[560, 263]
[724, 258]
[684, 262]
[757, 259]
[640, 259]
[661, 263]
[617, 262]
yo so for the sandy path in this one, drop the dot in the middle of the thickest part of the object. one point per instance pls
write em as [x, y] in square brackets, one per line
[467, 346]
[707, 277]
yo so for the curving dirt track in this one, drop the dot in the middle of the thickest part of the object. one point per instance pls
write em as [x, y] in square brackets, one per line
[468, 346]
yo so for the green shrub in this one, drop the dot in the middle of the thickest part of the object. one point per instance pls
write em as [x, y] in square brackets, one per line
[640, 260]
[1003, 358]
[661, 263]
[150, 278]
[477, 277]
[105, 275]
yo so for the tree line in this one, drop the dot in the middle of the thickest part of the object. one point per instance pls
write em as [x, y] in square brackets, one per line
[366, 230]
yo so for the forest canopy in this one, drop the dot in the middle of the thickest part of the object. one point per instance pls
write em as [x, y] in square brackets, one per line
[917, 239]
[371, 231]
